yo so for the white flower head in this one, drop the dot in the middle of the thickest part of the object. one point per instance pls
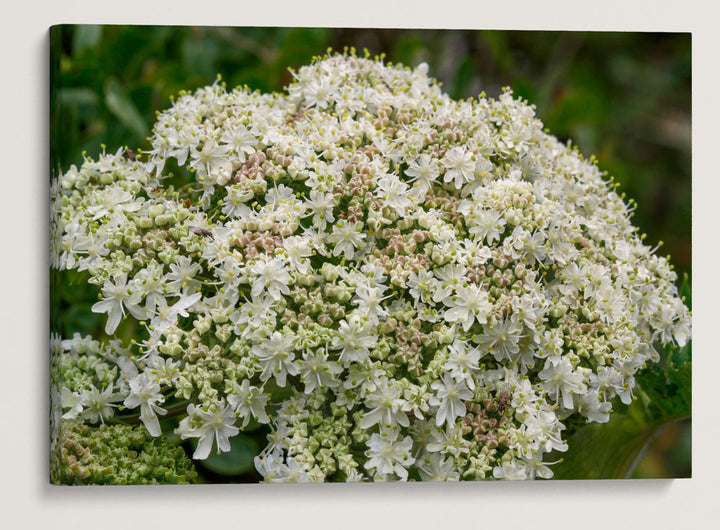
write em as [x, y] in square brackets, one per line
[359, 262]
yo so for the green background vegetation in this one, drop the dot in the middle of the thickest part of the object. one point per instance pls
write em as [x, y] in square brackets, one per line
[625, 97]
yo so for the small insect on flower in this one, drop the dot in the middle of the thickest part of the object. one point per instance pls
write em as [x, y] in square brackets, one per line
[201, 231]
[503, 399]
[130, 154]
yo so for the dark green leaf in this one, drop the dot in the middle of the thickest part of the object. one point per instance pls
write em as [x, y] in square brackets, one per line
[667, 393]
[604, 451]
[237, 461]
[682, 355]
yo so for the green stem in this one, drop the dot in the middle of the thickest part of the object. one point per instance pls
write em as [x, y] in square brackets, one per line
[172, 411]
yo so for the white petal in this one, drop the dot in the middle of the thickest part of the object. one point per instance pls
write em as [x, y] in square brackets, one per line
[204, 445]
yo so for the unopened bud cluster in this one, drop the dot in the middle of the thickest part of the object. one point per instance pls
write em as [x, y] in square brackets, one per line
[117, 455]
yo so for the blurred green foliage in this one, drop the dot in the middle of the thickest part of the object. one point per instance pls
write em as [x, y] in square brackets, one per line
[624, 97]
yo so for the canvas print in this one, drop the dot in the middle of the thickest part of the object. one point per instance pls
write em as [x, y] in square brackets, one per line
[328, 255]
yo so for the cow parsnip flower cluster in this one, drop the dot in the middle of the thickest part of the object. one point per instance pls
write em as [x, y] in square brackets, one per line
[400, 285]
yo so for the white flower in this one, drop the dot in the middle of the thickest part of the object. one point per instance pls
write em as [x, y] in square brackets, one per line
[297, 250]
[276, 356]
[320, 206]
[423, 172]
[269, 463]
[347, 237]
[368, 301]
[241, 140]
[386, 405]
[560, 381]
[151, 284]
[543, 428]
[316, 371]
[434, 466]
[487, 225]
[626, 368]
[98, 405]
[534, 248]
[271, 276]
[320, 92]
[388, 456]
[145, 392]
[182, 276]
[217, 424]
[165, 370]
[450, 400]
[468, 306]
[212, 161]
[607, 382]
[502, 339]
[355, 338]
[536, 466]
[290, 472]
[254, 313]
[590, 406]
[249, 402]
[511, 470]
[460, 166]
[463, 362]
[167, 315]
[113, 200]
[393, 192]
[117, 297]
[449, 440]
[422, 285]
[234, 204]
[452, 277]
[90, 247]
[71, 400]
